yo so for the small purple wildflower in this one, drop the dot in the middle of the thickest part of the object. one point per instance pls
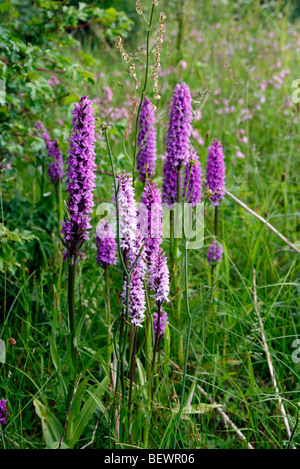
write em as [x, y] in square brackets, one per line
[159, 276]
[134, 251]
[178, 137]
[215, 252]
[80, 179]
[108, 94]
[169, 184]
[39, 126]
[136, 298]
[215, 171]
[180, 126]
[55, 167]
[3, 412]
[193, 180]
[131, 243]
[53, 81]
[127, 211]
[150, 216]
[163, 320]
[137, 301]
[106, 244]
[146, 156]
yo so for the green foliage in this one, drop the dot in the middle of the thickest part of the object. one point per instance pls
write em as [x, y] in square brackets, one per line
[78, 418]
[52, 428]
[11, 244]
[33, 46]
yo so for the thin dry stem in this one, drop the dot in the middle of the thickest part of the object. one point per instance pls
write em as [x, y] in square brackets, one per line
[93, 436]
[269, 359]
[271, 227]
[218, 409]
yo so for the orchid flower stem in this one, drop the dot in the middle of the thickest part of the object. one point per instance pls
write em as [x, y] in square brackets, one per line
[156, 347]
[148, 338]
[188, 337]
[122, 343]
[148, 363]
[127, 273]
[176, 274]
[132, 368]
[108, 315]
[60, 203]
[60, 210]
[72, 324]
[122, 347]
[216, 221]
[171, 237]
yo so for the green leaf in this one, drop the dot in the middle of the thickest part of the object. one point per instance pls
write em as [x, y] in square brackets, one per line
[98, 402]
[75, 409]
[111, 14]
[197, 408]
[55, 445]
[52, 428]
[72, 98]
[54, 355]
[87, 411]
[95, 356]
[142, 372]
[78, 331]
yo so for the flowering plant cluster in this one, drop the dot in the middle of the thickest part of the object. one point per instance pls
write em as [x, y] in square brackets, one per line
[3, 412]
[215, 252]
[146, 156]
[106, 244]
[215, 171]
[55, 166]
[140, 246]
[80, 180]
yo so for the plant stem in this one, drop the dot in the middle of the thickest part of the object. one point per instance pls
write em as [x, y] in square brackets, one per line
[127, 273]
[117, 203]
[132, 367]
[108, 315]
[180, 34]
[269, 359]
[148, 341]
[188, 335]
[122, 343]
[155, 346]
[60, 203]
[171, 238]
[148, 363]
[143, 92]
[216, 221]
[175, 274]
[72, 323]
[271, 227]
[60, 211]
